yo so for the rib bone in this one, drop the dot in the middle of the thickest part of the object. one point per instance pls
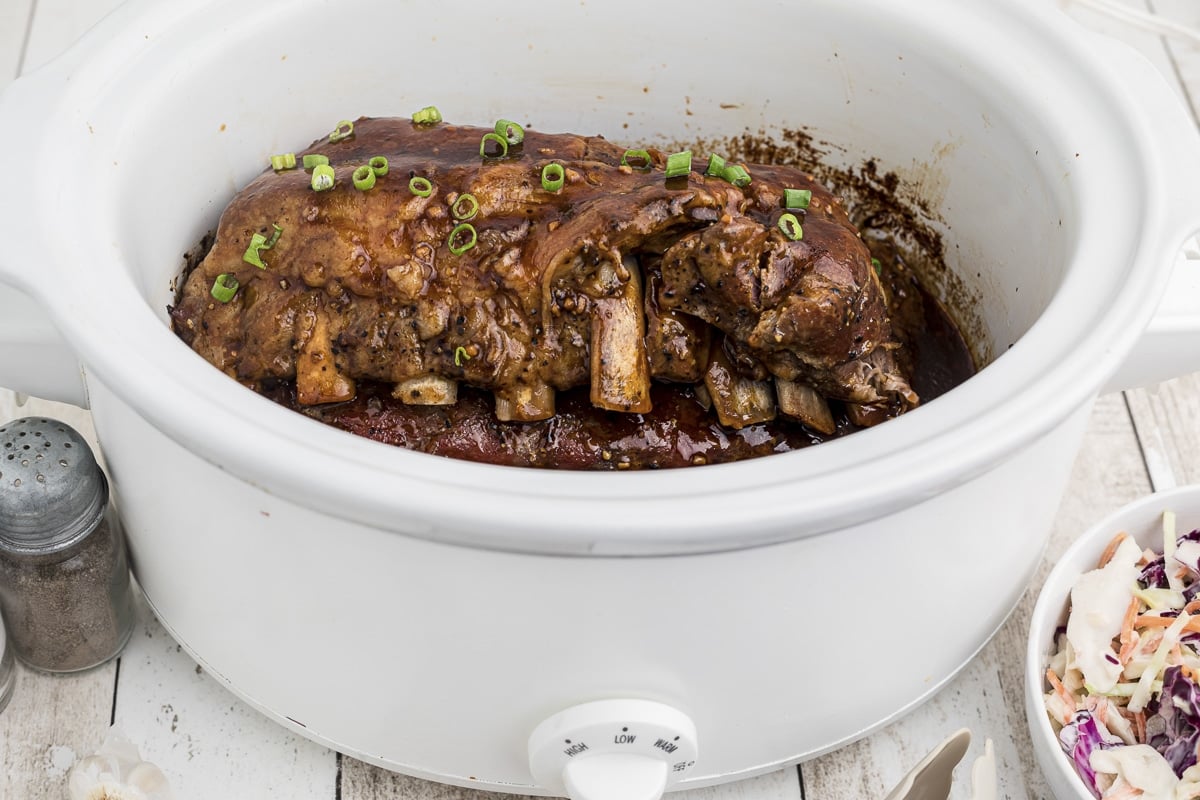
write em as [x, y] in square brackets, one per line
[738, 401]
[317, 377]
[801, 401]
[427, 390]
[524, 403]
[620, 370]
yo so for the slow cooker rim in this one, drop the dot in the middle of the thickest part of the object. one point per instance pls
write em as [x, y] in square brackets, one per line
[244, 459]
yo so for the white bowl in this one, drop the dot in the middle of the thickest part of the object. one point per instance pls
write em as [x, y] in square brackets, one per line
[1142, 520]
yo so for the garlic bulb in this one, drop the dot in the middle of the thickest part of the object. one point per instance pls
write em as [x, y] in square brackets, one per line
[116, 771]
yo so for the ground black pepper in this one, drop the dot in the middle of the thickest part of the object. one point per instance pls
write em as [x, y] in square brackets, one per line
[65, 589]
[72, 609]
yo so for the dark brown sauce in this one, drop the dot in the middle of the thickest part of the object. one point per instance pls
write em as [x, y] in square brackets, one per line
[678, 432]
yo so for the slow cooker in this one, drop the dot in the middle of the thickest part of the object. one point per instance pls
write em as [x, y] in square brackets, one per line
[552, 632]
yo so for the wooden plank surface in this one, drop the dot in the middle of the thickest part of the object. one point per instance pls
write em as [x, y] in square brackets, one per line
[211, 744]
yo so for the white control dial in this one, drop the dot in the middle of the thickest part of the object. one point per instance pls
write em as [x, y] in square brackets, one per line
[613, 750]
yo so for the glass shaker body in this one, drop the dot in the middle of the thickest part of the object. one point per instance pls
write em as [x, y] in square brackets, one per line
[71, 608]
[65, 588]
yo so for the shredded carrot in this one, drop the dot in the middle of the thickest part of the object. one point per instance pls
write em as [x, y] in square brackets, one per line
[1062, 693]
[1131, 614]
[1192, 607]
[1126, 792]
[1139, 726]
[1152, 621]
[1111, 549]
[1102, 711]
[1129, 648]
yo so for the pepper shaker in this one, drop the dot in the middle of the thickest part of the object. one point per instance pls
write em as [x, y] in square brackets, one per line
[65, 590]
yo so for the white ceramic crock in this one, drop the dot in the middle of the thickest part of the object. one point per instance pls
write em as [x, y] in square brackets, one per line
[427, 614]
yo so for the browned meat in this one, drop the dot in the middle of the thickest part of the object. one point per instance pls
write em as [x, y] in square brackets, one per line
[616, 279]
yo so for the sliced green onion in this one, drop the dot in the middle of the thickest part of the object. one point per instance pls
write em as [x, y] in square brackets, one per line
[465, 207]
[344, 130]
[641, 156]
[258, 243]
[500, 141]
[462, 229]
[429, 115]
[363, 177]
[421, 187]
[716, 166]
[284, 161]
[796, 198]
[224, 287]
[679, 164]
[378, 165]
[322, 177]
[314, 160]
[877, 264]
[791, 227]
[512, 132]
[553, 177]
[737, 175]
[461, 355]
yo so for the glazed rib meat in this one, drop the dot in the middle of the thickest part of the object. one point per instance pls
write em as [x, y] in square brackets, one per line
[619, 278]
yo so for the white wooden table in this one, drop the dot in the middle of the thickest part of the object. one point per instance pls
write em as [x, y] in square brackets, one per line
[212, 745]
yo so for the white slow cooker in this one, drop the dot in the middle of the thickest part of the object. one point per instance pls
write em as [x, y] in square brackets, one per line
[545, 632]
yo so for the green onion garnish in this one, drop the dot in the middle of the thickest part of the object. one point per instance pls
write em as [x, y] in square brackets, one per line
[322, 177]
[737, 175]
[553, 177]
[716, 166]
[640, 156]
[314, 160]
[378, 165]
[429, 115]
[464, 231]
[791, 227]
[500, 142]
[461, 355]
[258, 243]
[465, 207]
[421, 187]
[344, 130]
[679, 164]
[877, 264]
[512, 132]
[224, 287]
[284, 161]
[363, 177]
[797, 198]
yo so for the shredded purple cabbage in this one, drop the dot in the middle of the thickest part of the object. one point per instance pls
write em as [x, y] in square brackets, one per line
[1187, 552]
[1082, 735]
[1174, 728]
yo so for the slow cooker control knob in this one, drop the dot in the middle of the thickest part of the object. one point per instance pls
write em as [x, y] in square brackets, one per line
[613, 750]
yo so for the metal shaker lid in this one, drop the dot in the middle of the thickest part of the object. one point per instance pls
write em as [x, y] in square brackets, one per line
[52, 491]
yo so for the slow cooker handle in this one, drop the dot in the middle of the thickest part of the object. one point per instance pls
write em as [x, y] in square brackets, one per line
[34, 357]
[1170, 345]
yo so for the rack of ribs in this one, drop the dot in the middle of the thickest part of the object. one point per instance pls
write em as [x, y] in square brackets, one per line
[459, 265]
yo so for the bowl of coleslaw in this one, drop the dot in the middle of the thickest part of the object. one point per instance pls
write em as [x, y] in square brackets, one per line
[1112, 677]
